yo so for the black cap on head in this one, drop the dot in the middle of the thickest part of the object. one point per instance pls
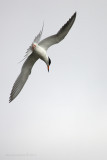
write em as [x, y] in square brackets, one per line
[49, 61]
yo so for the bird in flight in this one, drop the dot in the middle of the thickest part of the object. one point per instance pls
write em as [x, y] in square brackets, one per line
[36, 51]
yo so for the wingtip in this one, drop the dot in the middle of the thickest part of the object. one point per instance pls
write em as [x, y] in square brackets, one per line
[42, 27]
[10, 99]
[75, 14]
[73, 17]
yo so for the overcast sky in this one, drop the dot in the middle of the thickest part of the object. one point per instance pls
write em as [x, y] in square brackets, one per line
[60, 115]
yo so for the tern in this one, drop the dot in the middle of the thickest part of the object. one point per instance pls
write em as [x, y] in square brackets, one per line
[38, 50]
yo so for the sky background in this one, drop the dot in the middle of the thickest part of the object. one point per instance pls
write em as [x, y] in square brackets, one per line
[61, 114]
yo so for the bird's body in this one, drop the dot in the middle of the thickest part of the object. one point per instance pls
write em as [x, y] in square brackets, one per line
[37, 51]
[41, 53]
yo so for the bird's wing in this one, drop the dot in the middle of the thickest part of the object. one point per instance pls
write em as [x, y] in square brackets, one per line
[38, 37]
[36, 40]
[49, 41]
[23, 76]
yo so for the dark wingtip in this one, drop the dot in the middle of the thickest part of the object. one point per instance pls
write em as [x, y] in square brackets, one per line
[10, 99]
[74, 15]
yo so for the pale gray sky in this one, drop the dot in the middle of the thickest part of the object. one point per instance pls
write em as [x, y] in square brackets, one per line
[61, 114]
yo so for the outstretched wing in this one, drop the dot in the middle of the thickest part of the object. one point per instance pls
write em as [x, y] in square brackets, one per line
[36, 40]
[23, 76]
[49, 41]
[38, 37]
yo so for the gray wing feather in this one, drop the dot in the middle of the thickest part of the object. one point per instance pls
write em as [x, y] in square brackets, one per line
[49, 41]
[38, 37]
[36, 40]
[23, 76]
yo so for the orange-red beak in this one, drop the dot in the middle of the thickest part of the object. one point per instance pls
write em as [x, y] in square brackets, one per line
[48, 67]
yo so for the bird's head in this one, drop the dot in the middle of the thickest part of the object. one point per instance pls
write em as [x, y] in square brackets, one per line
[49, 62]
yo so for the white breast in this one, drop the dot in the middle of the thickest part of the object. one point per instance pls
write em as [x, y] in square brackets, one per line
[41, 52]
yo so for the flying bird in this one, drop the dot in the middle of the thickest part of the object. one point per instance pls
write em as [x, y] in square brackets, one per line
[38, 50]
